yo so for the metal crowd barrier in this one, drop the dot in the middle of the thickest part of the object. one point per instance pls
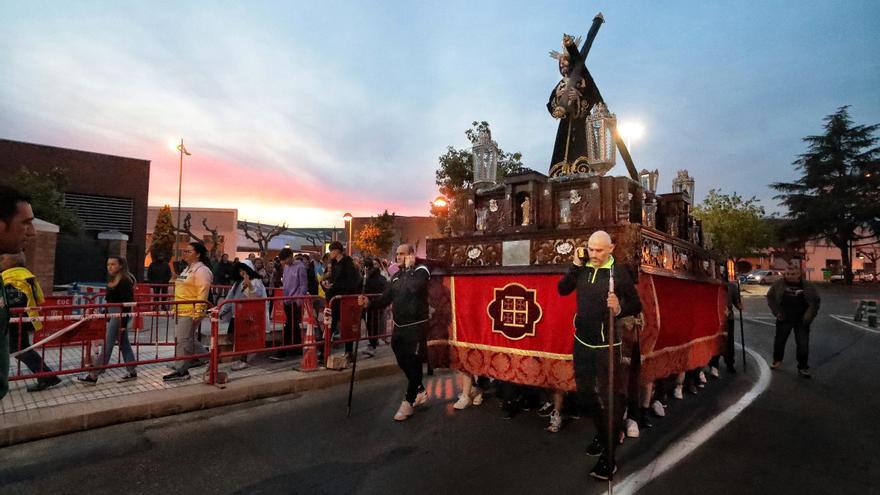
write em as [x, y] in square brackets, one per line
[79, 328]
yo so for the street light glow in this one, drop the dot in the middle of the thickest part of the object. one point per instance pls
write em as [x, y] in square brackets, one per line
[347, 217]
[441, 202]
[631, 131]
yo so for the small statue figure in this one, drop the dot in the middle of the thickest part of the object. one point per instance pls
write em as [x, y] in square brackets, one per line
[526, 206]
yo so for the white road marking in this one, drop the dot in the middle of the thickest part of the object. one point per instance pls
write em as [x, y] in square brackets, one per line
[760, 321]
[680, 449]
[848, 321]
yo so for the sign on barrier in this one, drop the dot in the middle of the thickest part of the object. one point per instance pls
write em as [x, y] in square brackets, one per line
[349, 318]
[250, 325]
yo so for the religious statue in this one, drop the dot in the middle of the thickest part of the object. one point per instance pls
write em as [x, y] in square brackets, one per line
[526, 207]
[571, 102]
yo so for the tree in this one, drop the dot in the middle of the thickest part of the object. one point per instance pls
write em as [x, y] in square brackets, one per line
[837, 195]
[163, 235]
[377, 237]
[736, 226]
[256, 234]
[455, 176]
[211, 245]
[47, 194]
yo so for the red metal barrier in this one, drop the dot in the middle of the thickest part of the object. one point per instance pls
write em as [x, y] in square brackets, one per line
[77, 327]
[252, 323]
[349, 325]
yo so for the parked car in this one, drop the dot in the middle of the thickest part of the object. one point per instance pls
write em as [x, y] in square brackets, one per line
[837, 277]
[763, 277]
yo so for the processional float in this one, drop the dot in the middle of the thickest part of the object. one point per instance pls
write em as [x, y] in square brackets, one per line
[495, 307]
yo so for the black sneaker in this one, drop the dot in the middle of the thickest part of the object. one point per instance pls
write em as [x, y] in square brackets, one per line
[645, 420]
[43, 384]
[87, 380]
[603, 470]
[595, 447]
[176, 376]
[805, 373]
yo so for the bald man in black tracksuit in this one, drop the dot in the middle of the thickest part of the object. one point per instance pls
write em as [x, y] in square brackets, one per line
[408, 292]
[591, 338]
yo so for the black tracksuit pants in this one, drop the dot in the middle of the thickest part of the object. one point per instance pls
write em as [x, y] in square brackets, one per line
[801, 338]
[406, 342]
[591, 377]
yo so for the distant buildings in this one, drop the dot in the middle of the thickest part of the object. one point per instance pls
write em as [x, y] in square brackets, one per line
[109, 194]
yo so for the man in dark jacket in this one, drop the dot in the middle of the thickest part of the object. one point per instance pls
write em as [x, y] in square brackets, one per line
[344, 280]
[159, 273]
[591, 363]
[795, 303]
[374, 283]
[408, 292]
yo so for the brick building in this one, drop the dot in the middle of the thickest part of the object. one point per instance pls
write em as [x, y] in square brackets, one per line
[109, 193]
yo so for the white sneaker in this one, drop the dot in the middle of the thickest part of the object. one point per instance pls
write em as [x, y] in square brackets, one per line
[713, 372]
[463, 402]
[421, 398]
[658, 409]
[404, 412]
[678, 393]
[555, 422]
[632, 429]
[478, 399]
[239, 365]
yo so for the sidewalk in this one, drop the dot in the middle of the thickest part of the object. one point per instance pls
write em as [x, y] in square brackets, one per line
[71, 406]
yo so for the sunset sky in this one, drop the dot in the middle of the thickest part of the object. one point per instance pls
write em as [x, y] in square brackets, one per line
[299, 111]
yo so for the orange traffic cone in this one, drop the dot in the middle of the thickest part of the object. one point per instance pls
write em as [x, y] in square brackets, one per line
[310, 351]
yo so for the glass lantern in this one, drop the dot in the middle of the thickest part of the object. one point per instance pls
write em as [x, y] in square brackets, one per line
[649, 180]
[485, 158]
[601, 149]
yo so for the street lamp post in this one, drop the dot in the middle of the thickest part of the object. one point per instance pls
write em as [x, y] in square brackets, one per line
[182, 149]
[347, 218]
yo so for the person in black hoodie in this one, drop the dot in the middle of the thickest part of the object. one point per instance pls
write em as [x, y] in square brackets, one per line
[408, 291]
[344, 280]
[374, 283]
[795, 303]
[594, 301]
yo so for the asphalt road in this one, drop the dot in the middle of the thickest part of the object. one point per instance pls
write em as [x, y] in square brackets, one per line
[801, 436]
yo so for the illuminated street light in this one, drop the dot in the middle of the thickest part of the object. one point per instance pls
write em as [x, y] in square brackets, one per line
[182, 149]
[441, 202]
[630, 131]
[347, 219]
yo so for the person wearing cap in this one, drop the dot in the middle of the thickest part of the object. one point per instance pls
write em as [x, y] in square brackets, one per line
[247, 284]
[408, 292]
[591, 275]
[344, 280]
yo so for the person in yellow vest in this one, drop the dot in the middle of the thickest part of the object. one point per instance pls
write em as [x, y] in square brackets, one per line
[193, 284]
[23, 291]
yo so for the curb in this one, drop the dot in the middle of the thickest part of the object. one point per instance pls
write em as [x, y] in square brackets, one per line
[26, 426]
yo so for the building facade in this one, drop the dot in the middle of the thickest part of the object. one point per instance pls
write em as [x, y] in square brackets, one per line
[109, 193]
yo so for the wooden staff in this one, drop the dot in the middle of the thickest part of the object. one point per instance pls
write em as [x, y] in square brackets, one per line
[611, 439]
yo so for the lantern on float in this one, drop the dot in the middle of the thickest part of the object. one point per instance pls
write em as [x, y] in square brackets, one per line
[684, 183]
[649, 180]
[485, 158]
[601, 149]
